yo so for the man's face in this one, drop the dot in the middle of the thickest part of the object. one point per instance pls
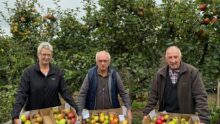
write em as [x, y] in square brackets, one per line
[173, 58]
[45, 56]
[102, 62]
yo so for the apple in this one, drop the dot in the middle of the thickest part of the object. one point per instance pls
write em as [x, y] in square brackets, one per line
[23, 118]
[70, 115]
[161, 118]
[55, 110]
[102, 119]
[203, 6]
[39, 119]
[27, 122]
[206, 21]
[62, 121]
[106, 117]
[73, 121]
[166, 116]
[60, 116]
[125, 121]
[159, 121]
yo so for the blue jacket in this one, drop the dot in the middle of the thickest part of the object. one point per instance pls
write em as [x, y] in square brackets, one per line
[93, 83]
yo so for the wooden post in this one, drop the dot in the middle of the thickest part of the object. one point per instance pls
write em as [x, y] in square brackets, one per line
[218, 94]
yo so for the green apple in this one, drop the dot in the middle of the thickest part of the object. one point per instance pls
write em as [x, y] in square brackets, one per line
[23, 118]
[62, 121]
[27, 122]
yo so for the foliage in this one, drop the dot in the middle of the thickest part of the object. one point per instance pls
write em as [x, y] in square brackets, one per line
[135, 32]
[215, 115]
[6, 98]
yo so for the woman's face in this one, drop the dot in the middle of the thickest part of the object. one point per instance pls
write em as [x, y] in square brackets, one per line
[45, 56]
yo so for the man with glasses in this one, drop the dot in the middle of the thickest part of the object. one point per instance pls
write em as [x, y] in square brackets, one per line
[101, 87]
[41, 85]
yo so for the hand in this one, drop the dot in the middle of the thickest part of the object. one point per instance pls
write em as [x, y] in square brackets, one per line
[144, 119]
[79, 118]
[129, 113]
[16, 121]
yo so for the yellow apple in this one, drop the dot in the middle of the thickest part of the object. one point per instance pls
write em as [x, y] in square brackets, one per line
[23, 118]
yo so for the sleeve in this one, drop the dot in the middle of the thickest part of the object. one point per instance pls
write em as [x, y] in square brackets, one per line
[83, 94]
[64, 92]
[22, 95]
[200, 96]
[122, 92]
[152, 98]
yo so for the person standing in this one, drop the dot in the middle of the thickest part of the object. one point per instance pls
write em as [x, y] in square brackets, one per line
[178, 87]
[101, 87]
[41, 85]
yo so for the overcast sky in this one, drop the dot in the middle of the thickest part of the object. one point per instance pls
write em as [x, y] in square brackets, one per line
[65, 4]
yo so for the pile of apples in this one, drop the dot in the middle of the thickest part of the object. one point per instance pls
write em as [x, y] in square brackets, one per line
[25, 118]
[65, 116]
[70, 116]
[104, 118]
[37, 119]
[161, 119]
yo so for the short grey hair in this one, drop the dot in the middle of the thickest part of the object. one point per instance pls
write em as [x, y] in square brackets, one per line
[178, 49]
[45, 45]
[102, 52]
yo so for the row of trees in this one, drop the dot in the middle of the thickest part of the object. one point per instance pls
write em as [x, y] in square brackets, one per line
[135, 32]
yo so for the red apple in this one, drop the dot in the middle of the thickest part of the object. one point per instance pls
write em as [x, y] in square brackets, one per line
[203, 6]
[159, 121]
[161, 118]
[70, 115]
[73, 121]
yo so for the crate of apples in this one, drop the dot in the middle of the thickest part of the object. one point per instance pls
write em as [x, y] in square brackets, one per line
[104, 118]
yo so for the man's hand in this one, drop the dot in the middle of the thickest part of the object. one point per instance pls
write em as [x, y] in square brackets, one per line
[144, 118]
[16, 121]
[79, 118]
[129, 113]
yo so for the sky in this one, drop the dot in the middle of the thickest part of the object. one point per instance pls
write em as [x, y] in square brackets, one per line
[65, 4]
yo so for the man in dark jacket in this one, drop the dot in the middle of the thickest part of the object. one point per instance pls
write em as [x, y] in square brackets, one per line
[101, 87]
[41, 85]
[179, 88]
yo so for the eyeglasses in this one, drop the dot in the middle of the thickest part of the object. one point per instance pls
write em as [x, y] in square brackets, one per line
[103, 61]
[44, 55]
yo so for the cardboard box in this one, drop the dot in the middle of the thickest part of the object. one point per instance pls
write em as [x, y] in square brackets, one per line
[106, 116]
[175, 117]
[36, 117]
[46, 116]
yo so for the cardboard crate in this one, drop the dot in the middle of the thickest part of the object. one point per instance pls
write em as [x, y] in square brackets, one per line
[46, 116]
[117, 114]
[36, 117]
[178, 118]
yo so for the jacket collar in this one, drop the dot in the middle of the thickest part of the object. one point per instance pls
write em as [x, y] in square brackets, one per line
[164, 70]
[51, 69]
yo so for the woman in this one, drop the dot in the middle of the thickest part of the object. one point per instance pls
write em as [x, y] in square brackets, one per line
[41, 85]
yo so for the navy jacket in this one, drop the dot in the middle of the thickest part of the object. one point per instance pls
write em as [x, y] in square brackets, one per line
[93, 77]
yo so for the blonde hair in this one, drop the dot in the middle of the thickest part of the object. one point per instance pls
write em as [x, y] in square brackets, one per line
[45, 45]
